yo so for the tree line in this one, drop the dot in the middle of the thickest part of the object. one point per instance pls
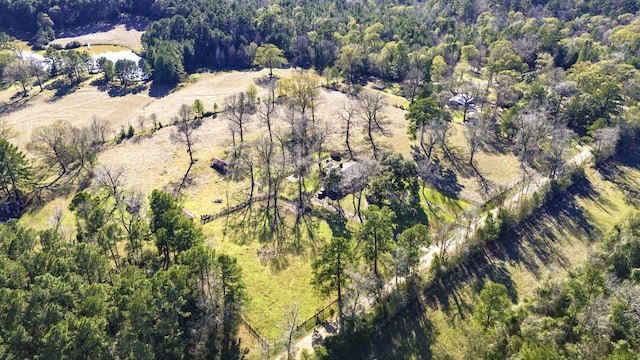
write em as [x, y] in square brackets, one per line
[592, 312]
[358, 39]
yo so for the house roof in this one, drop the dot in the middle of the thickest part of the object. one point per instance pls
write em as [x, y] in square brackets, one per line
[462, 99]
[218, 162]
[350, 171]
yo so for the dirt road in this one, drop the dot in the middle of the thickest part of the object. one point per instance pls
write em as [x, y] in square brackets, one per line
[456, 239]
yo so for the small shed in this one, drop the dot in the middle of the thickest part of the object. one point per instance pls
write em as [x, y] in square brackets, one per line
[219, 165]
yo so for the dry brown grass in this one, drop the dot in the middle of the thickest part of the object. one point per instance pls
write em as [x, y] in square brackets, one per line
[125, 35]
[153, 161]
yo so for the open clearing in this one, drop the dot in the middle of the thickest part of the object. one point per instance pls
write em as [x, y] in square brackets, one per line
[151, 160]
[125, 35]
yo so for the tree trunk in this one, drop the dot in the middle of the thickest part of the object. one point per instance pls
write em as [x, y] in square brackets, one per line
[347, 140]
[370, 135]
[375, 254]
[427, 153]
[39, 81]
[253, 182]
[339, 268]
[464, 112]
[359, 206]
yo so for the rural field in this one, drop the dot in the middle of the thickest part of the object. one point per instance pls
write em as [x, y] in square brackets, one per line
[319, 180]
[555, 239]
[124, 35]
[152, 161]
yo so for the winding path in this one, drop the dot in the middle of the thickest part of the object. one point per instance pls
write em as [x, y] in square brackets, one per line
[457, 238]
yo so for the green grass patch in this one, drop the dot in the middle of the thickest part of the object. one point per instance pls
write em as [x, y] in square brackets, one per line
[441, 206]
[274, 286]
[557, 238]
[457, 116]
[41, 217]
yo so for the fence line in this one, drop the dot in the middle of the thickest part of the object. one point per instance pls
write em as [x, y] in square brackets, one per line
[210, 217]
[317, 318]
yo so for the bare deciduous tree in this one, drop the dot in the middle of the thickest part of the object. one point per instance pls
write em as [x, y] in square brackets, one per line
[553, 156]
[443, 240]
[348, 115]
[372, 103]
[83, 148]
[19, 71]
[357, 184]
[441, 127]
[320, 133]
[36, 67]
[266, 112]
[290, 330]
[606, 140]
[532, 130]
[185, 113]
[6, 131]
[99, 130]
[235, 107]
[51, 144]
[413, 80]
[154, 120]
[271, 173]
[184, 135]
[362, 284]
[141, 120]
[472, 136]
[112, 180]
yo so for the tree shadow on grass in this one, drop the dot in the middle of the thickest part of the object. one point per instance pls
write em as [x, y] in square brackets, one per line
[20, 103]
[101, 84]
[614, 172]
[337, 222]
[486, 185]
[493, 147]
[461, 167]
[279, 263]
[477, 271]
[535, 244]
[66, 185]
[409, 334]
[62, 88]
[118, 91]
[448, 183]
[159, 90]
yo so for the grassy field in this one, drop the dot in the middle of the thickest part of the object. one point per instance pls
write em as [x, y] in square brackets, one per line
[151, 160]
[123, 35]
[553, 240]
[272, 286]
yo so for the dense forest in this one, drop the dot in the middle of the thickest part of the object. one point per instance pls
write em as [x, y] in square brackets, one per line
[86, 300]
[381, 38]
[533, 77]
